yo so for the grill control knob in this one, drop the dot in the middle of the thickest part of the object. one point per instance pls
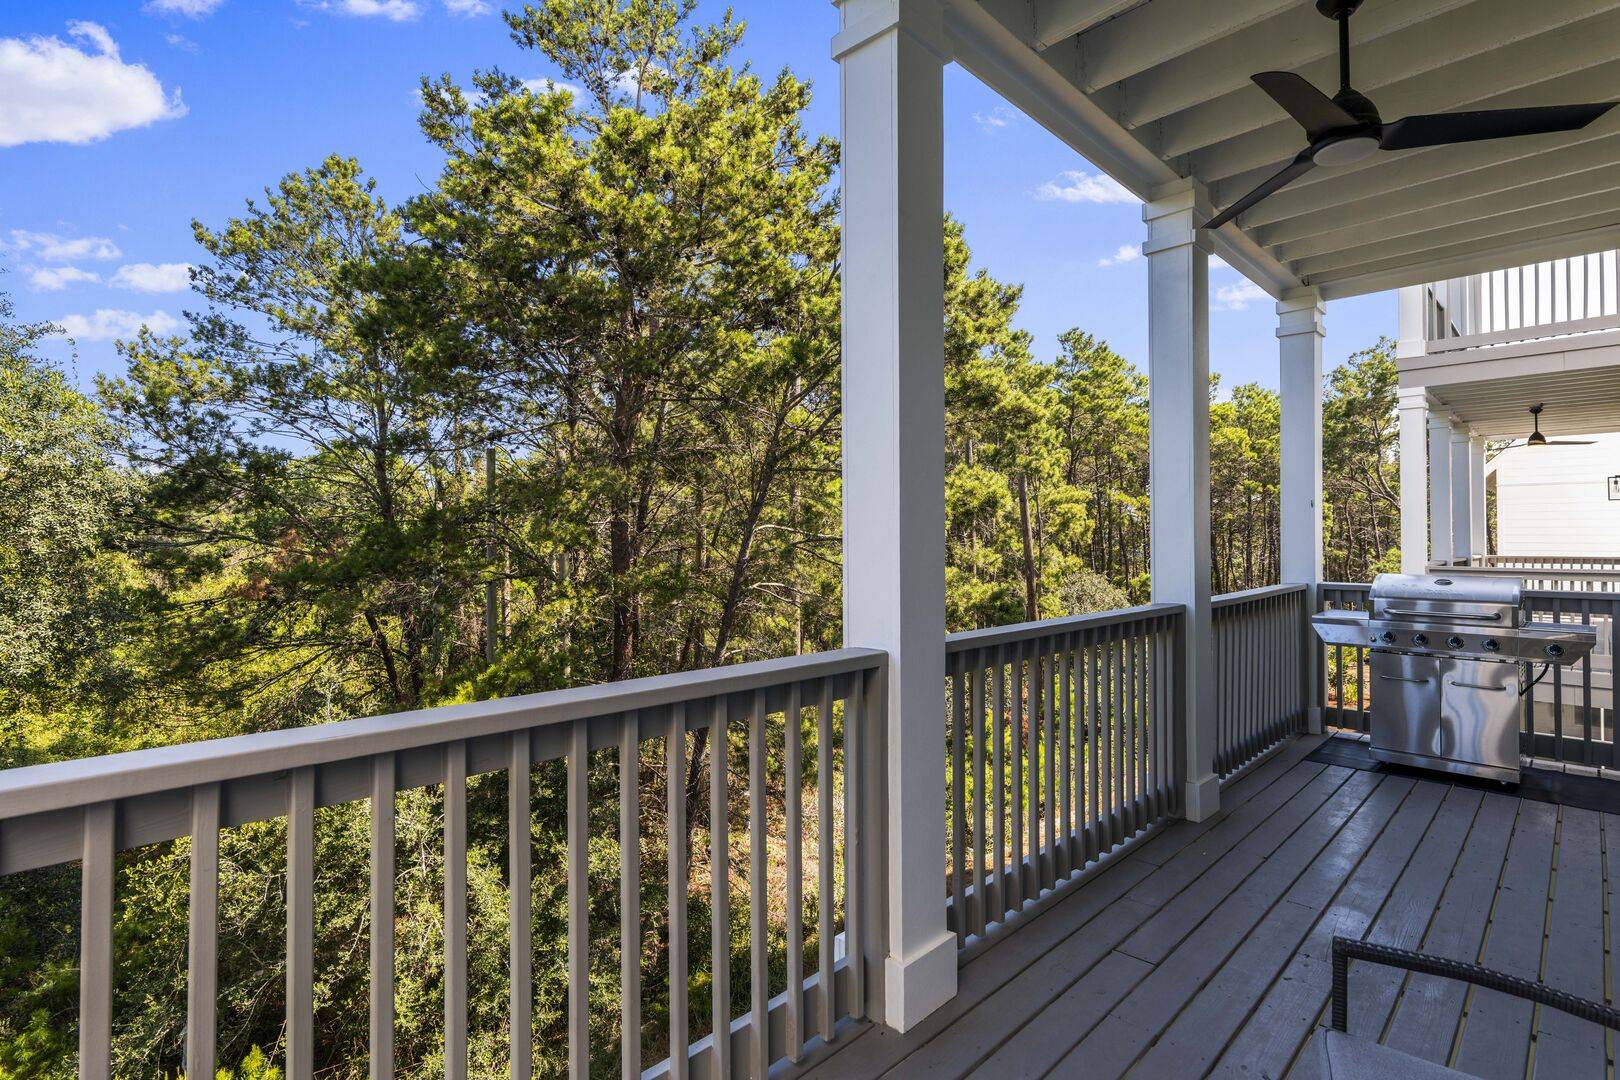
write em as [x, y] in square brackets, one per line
[1555, 650]
[1420, 640]
[1389, 638]
[1454, 641]
[1490, 644]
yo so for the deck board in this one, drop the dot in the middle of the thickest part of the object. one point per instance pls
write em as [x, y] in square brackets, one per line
[1195, 1041]
[1024, 954]
[1207, 950]
[1566, 1046]
[1495, 1036]
[1424, 1020]
[1277, 1030]
[1115, 1044]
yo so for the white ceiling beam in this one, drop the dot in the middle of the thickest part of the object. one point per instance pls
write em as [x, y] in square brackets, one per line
[1475, 258]
[1059, 20]
[1603, 212]
[1415, 65]
[1401, 201]
[1162, 30]
[1420, 244]
[993, 51]
[1287, 42]
[1511, 74]
[1382, 174]
[1427, 220]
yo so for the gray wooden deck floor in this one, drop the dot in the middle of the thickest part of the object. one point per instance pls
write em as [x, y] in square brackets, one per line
[1206, 950]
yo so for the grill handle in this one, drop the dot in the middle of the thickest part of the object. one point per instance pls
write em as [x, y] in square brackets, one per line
[1480, 686]
[1491, 616]
[1402, 678]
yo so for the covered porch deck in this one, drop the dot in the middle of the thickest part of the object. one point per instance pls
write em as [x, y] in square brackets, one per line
[1204, 949]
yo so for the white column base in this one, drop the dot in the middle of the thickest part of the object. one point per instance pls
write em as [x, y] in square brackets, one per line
[913, 987]
[1313, 720]
[1202, 798]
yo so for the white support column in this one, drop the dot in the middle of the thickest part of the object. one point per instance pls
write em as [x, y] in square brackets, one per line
[1440, 535]
[1413, 407]
[1476, 481]
[1178, 403]
[1411, 340]
[1300, 329]
[891, 57]
[1462, 493]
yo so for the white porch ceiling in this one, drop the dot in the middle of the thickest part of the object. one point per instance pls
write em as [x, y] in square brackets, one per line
[1578, 403]
[1152, 90]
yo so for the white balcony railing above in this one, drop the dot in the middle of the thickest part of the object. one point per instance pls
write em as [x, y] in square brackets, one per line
[1561, 297]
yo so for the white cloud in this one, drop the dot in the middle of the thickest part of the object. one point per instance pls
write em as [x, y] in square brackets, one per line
[1123, 254]
[56, 248]
[57, 278]
[994, 120]
[392, 10]
[154, 277]
[109, 323]
[467, 7]
[191, 9]
[181, 42]
[1083, 187]
[1237, 297]
[551, 86]
[1218, 263]
[95, 34]
[51, 91]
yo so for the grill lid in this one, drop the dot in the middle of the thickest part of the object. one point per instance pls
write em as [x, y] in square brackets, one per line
[1471, 598]
[1472, 589]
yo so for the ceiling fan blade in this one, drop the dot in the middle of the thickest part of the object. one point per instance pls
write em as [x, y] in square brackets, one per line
[1570, 442]
[1293, 171]
[1442, 129]
[1313, 110]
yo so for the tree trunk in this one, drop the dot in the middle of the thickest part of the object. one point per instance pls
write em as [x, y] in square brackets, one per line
[1031, 600]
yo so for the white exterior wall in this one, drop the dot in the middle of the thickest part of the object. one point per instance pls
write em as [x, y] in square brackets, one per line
[1553, 500]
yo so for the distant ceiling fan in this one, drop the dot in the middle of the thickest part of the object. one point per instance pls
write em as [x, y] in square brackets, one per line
[1538, 439]
[1346, 128]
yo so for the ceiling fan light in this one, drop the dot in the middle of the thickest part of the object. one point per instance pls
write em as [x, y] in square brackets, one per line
[1347, 151]
[1536, 439]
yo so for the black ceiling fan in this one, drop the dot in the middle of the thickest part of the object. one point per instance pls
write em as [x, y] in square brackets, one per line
[1346, 128]
[1538, 439]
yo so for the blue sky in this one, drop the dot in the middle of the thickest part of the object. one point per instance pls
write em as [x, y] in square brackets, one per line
[128, 118]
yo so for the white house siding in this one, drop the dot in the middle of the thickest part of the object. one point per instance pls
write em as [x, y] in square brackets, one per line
[1554, 500]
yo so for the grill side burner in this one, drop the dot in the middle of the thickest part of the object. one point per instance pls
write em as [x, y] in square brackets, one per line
[1451, 663]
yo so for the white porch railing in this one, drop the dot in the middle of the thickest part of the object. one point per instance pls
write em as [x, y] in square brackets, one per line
[1609, 563]
[1063, 748]
[88, 811]
[1547, 299]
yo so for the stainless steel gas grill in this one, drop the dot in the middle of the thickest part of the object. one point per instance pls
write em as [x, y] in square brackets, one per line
[1451, 662]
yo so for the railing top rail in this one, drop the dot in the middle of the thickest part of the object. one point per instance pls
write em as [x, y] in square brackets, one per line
[1347, 586]
[62, 785]
[1532, 572]
[1263, 593]
[1502, 559]
[1568, 328]
[1002, 635]
[1575, 596]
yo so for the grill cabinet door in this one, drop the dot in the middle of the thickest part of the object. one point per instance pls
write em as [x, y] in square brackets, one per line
[1406, 705]
[1479, 710]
